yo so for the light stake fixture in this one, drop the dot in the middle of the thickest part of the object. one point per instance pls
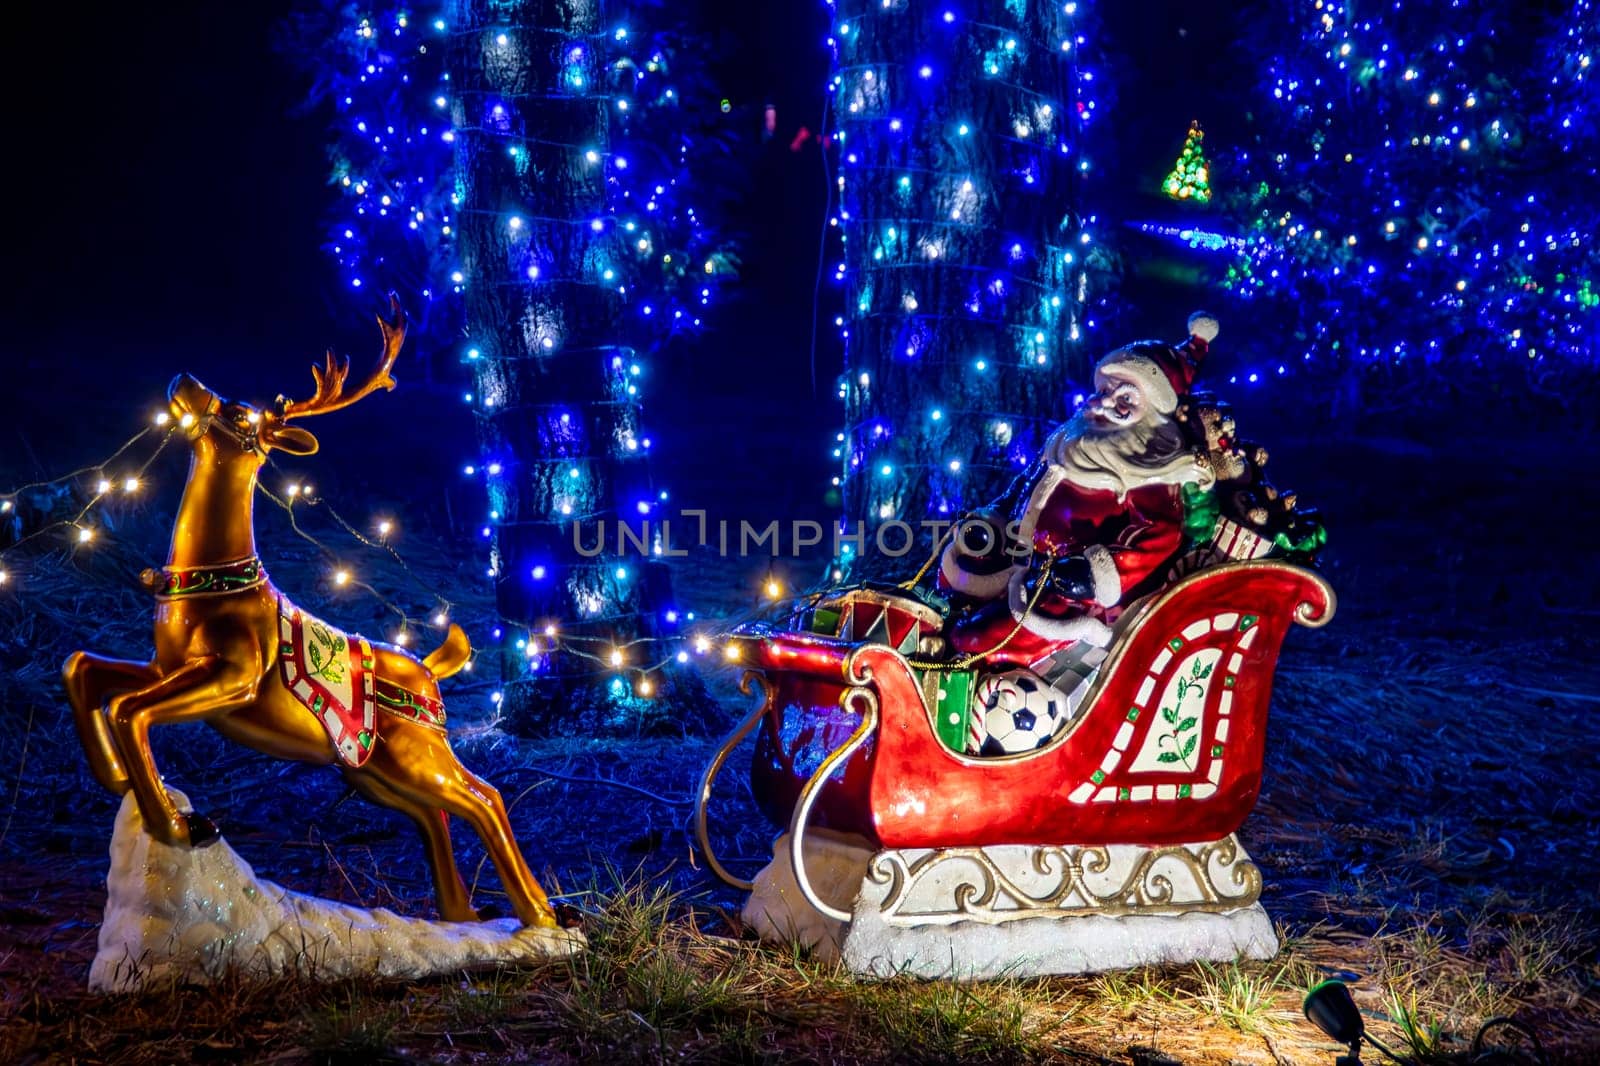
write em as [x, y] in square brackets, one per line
[1330, 1008]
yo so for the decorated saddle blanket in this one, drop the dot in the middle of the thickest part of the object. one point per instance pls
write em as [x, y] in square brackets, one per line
[331, 672]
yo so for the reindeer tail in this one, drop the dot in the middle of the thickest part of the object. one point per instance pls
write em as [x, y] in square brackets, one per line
[451, 656]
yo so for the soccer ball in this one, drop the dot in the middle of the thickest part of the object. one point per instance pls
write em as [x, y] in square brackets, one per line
[1018, 711]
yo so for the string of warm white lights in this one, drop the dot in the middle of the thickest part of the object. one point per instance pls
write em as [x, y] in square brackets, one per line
[639, 659]
[631, 657]
[105, 487]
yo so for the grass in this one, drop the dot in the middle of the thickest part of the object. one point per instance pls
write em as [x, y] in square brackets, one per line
[1445, 872]
[1532, 949]
[947, 1022]
[1421, 1033]
[1238, 997]
[346, 1025]
[1128, 993]
[656, 986]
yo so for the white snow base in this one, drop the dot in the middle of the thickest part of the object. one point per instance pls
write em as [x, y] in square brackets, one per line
[872, 945]
[193, 914]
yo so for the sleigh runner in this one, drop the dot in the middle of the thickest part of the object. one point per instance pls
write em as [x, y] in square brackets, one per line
[1125, 815]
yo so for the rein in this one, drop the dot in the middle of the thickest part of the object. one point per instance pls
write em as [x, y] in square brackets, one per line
[249, 439]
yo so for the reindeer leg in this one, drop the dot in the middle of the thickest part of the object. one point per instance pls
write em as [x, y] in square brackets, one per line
[450, 892]
[201, 688]
[417, 763]
[89, 679]
[469, 796]
[423, 770]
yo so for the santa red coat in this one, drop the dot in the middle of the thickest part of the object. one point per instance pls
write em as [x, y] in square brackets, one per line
[1128, 539]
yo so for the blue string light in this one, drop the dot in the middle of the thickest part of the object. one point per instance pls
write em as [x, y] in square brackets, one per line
[1419, 190]
[967, 258]
[399, 129]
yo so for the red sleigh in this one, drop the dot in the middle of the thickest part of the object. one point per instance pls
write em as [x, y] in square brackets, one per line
[1167, 747]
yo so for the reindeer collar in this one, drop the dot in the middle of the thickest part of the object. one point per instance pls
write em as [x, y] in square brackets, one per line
[184, 582]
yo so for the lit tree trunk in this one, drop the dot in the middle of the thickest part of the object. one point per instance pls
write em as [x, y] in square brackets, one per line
[558, 417]
[965, 260]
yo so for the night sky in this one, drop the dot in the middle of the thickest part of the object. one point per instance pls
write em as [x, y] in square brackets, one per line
[169, 183]
[171, 189]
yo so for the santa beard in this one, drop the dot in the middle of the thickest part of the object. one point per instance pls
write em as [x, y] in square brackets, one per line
[1153, 451]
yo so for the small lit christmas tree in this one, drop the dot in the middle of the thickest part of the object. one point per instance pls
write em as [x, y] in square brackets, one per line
[1190, 177]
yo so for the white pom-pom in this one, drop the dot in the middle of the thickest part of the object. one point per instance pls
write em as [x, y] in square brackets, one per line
[1203, 326]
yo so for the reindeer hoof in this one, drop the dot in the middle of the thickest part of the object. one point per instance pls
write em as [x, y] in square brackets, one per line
[202, 830]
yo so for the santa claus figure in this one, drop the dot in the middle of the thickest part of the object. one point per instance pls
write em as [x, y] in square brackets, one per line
[1094, 523]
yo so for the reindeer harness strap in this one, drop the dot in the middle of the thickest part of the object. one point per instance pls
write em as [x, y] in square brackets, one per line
[183, 582]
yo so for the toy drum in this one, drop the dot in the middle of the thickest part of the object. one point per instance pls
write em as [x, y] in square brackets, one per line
[894, 617]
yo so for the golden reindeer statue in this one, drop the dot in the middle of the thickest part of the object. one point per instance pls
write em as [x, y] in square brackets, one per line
[233, 651]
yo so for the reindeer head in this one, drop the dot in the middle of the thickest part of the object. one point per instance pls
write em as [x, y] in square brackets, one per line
[213, 423]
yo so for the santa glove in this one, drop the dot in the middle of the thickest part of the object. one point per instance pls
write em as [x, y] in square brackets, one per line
[1070, 578]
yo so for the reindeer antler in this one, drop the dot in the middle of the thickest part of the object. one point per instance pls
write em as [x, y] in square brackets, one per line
[331, 375]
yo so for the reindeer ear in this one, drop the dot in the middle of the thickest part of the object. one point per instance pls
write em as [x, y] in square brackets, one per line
[290, 439]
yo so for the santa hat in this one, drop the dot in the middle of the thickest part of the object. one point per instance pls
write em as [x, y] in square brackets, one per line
[1166, 371]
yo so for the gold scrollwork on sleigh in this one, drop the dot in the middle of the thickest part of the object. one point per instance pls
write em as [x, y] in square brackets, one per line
[1008, 883]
